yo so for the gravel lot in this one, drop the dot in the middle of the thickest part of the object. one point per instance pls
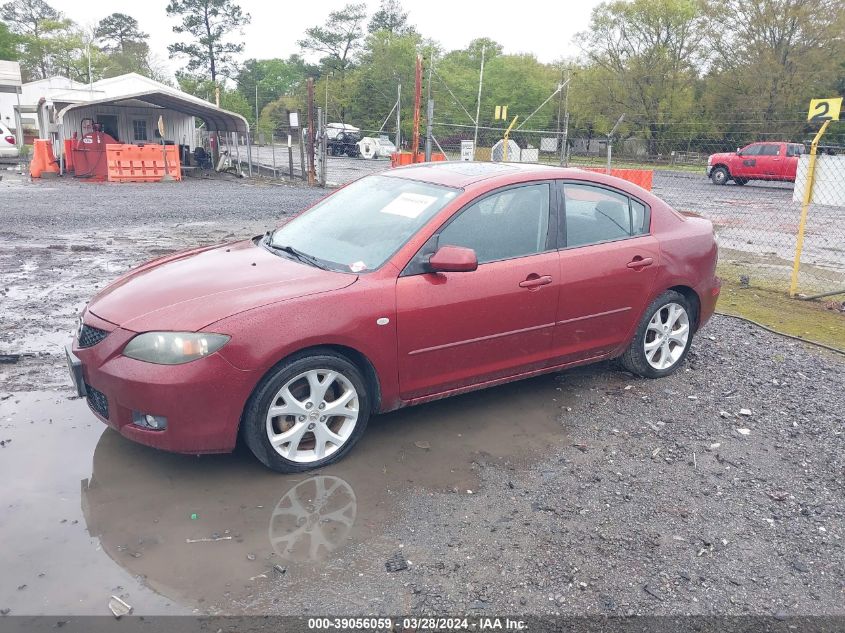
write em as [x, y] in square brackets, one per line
[715, 491]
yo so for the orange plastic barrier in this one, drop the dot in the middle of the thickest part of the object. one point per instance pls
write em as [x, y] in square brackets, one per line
[142, 163]
[68, 154]
[641, 177]
[397, 159]
[43, 160]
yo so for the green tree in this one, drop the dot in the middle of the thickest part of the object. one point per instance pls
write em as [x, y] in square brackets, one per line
[645, 54]
[8, 43]
[204, 88]
[273, 78]
[370, 92]
[338, 39]
[209, 23]
[125, 44]
[119, 31]
[770, 59]
[274, 117]
[390, 17]
[32, 21]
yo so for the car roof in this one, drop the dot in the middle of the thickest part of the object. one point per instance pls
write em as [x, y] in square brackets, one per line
[461, 174]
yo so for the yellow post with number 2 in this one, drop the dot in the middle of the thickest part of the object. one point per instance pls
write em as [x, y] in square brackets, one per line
[826, 110]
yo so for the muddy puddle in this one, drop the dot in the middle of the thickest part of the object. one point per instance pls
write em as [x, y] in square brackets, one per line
[92, 515]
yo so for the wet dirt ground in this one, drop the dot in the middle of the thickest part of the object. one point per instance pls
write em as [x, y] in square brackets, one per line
[588, 491]
[170, 533]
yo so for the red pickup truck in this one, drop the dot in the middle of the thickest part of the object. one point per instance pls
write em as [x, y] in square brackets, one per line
[758, 161]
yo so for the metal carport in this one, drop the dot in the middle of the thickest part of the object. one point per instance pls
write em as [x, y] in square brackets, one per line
[216, 119]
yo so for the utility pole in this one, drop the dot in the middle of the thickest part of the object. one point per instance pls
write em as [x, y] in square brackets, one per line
[310, 149]
[610, 140]
[564, 154]
[256, 104]
[429, 114]
[478, 102]
[398, 117]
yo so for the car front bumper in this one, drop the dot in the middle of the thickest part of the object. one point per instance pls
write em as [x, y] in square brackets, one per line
[202, 400]
[708, 170]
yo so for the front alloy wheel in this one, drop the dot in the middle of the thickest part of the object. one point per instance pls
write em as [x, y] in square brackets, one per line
[307, 412]
[312, 416]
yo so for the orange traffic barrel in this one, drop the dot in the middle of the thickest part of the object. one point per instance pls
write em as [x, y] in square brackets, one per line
[43, 161]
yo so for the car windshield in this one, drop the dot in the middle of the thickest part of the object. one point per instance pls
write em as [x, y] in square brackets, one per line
[358, 228]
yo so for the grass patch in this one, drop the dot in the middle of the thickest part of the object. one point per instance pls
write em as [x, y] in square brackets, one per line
[810, 320]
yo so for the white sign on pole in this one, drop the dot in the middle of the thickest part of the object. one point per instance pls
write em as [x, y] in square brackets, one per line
[294, 119]
[467, 150]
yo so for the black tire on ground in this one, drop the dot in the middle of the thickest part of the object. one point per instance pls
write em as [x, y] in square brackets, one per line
[254, 425]
[720, 176]
[634, 358]
[740, 181]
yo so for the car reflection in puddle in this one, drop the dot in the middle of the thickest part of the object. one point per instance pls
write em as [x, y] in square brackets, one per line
[220, 530]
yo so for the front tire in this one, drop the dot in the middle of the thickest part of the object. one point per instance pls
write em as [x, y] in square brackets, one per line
[663, 337]
[720, 176]
[307, 412]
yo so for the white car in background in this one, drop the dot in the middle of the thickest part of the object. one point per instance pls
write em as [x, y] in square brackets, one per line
[8, 143]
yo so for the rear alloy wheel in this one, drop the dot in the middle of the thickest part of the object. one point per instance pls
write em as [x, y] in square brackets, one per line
[720, 176]
[663, 337]
[307, 414]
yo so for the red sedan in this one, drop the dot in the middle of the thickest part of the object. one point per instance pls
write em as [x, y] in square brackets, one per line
[409, 286]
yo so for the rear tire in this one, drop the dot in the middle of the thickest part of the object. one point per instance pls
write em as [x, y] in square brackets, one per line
[308, 412]
[663, 337]
[720, 176]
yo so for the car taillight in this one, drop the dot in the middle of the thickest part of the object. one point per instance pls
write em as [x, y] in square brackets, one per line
[10, 139]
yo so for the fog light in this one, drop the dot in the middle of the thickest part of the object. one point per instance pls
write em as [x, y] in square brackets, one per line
[149, 421]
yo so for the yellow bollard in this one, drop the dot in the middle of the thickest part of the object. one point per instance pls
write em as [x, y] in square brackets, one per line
[808, 196]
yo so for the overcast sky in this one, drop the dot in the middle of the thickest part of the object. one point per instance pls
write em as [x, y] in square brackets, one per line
[543, 28]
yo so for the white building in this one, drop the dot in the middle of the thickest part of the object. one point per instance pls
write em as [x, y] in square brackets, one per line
[128, 107]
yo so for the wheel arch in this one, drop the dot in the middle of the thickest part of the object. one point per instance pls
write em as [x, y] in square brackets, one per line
[690, 295]
[354, 356]
[723, 166]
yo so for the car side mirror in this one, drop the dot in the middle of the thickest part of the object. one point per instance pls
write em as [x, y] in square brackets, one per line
[738, 152]
[453, 259]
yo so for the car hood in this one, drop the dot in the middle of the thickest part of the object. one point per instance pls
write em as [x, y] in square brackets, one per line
[191, 290]
[722, 156]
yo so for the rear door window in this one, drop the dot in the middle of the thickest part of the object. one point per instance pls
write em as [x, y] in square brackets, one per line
[595, 214]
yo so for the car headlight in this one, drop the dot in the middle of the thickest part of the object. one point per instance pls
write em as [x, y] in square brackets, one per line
[173, 348]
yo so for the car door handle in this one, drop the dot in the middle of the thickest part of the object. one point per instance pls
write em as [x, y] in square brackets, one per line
[535, 281]
[640, 262]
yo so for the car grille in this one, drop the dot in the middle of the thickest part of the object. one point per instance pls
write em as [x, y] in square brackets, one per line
[89, 336]
[97, 401]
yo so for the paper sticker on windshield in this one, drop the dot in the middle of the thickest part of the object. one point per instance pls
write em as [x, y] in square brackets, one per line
[409, 205]
[357, 267]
